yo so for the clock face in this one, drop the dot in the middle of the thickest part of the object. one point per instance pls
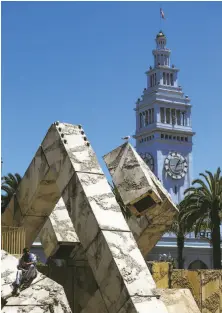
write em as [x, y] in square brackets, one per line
[175, 165]
[148, 159]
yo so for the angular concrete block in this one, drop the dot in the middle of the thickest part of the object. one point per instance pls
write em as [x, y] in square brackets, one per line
[31, 180]
[39, 206]
[134, 181]
[92, 206]
[58, 236]
[7, 218]
[139, 304]
[67, 150]
[178, 300]
[85, 286]
[134, 184]
[42, 294]
[95, 304]
[28, 309]
[148, 229]
[119, 268]
[78, 253]
[170, 301]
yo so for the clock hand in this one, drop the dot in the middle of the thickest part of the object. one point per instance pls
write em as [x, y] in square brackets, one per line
[177, 164]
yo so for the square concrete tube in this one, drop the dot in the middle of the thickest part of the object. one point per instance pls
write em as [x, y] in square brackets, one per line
[152, 209]
[65, 165]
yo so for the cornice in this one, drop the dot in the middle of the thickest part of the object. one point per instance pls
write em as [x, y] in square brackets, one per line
[162, 67]
[160, 129]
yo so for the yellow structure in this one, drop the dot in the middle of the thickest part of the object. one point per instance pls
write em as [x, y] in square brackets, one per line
[205, 285]
[13, 239]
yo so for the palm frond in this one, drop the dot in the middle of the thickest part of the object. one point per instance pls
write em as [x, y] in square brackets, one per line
[209, 179]
[8, 187]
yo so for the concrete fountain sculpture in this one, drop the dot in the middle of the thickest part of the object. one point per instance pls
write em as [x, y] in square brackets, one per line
[65, 166]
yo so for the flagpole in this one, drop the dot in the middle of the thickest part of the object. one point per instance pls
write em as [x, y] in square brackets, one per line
[161, 17]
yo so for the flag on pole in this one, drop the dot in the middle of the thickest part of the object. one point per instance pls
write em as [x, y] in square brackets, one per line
[162, 14]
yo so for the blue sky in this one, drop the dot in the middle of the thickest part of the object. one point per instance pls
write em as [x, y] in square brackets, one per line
[84, 63]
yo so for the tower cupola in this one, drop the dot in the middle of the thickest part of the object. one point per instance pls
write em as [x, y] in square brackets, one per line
[161, 53]
[160, 40]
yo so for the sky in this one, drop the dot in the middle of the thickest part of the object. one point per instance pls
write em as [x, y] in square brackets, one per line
[85, 62]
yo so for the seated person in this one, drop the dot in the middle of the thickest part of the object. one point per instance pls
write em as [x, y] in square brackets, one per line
[26, 269]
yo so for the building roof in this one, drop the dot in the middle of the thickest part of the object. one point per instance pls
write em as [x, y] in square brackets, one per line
[160, 34]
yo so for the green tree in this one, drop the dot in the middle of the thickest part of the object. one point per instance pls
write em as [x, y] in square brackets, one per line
[9, 185]
[180, 229]
[202, 208]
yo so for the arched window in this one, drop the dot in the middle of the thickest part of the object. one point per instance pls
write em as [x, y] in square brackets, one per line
[162, 115]
[178, 117]
[168, 78]
[141, 121]
[146, 118]
[171, 79]
[173, 116]
[175, 190]
[155, 79]
[164, 78]
[143, 118]
[168, 116]
[150, 116]
[197, 265]
[184, 122]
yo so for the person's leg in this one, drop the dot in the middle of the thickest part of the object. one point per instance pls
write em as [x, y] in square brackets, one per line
[17, 283]
[18, 277]
[30, 273]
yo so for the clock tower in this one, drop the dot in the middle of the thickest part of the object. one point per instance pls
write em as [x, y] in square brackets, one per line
[163, 124]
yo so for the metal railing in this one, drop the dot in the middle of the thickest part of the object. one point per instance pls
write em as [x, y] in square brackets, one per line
[13, 239]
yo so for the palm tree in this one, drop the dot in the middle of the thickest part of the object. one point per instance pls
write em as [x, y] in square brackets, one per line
[126, 212]
[180, 229]
[202, 208]
[9, 185]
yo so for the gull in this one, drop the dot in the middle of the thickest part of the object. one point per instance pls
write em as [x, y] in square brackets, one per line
[125, 138]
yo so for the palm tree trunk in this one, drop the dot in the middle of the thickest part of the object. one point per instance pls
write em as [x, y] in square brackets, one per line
[180, 247]
[215, 236]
